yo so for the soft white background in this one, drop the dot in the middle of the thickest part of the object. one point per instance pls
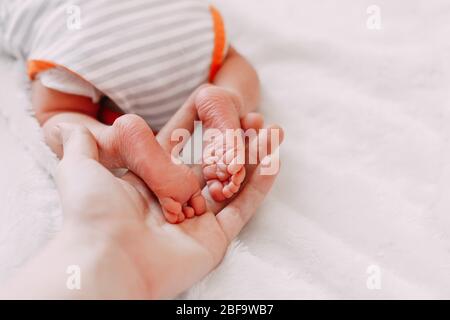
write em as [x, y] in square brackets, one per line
[365, 175]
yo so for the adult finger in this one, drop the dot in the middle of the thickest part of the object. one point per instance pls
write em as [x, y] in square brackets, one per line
[252, 120]
[79, 148]
[183, 119]
[77, 141]
[237, 213]
[79, 176]
[265, 143]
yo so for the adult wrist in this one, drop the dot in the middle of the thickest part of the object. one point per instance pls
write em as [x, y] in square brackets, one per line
[107, 269]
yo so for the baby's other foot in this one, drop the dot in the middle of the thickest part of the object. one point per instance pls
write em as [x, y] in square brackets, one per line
[223, 156]
[176, 186]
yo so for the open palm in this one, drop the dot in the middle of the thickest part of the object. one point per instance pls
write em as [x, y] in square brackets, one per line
[168, 258]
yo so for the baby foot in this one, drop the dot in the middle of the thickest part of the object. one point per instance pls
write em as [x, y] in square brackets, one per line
[223, 156]
[176, 186]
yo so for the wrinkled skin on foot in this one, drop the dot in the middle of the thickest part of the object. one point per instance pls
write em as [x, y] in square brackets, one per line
[132, 144]
[223, 154]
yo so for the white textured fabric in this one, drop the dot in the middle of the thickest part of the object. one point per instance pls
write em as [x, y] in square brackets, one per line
[365, 168]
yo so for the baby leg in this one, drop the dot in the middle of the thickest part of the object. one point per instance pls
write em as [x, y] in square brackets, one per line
[235, 94]
[128, 143]
[176, 186]
[223, 155]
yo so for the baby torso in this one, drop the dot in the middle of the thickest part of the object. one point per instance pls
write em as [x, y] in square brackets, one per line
[145, 55]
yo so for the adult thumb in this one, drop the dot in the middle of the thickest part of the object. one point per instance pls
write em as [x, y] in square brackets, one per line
[77, 141]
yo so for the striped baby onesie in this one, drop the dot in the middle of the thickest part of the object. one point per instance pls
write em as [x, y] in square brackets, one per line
[147, 56]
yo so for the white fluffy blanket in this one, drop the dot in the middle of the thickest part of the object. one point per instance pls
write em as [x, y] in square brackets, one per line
[362, 206]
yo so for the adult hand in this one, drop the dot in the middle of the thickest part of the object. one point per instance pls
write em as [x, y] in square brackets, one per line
[115, 232]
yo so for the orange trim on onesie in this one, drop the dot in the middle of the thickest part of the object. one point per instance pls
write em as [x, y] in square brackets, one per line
[105, 115]
[37, 66]
[219, 43]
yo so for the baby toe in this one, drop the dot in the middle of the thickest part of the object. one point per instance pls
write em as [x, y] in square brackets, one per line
[181, 217]
[222, 175]
[228, 190]
[170, 217]
[189, 212]
[239, 177]
[229, 156]
[210, 172]
[170, 205]
[215, 188]
[234, 166]
[198, 203]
